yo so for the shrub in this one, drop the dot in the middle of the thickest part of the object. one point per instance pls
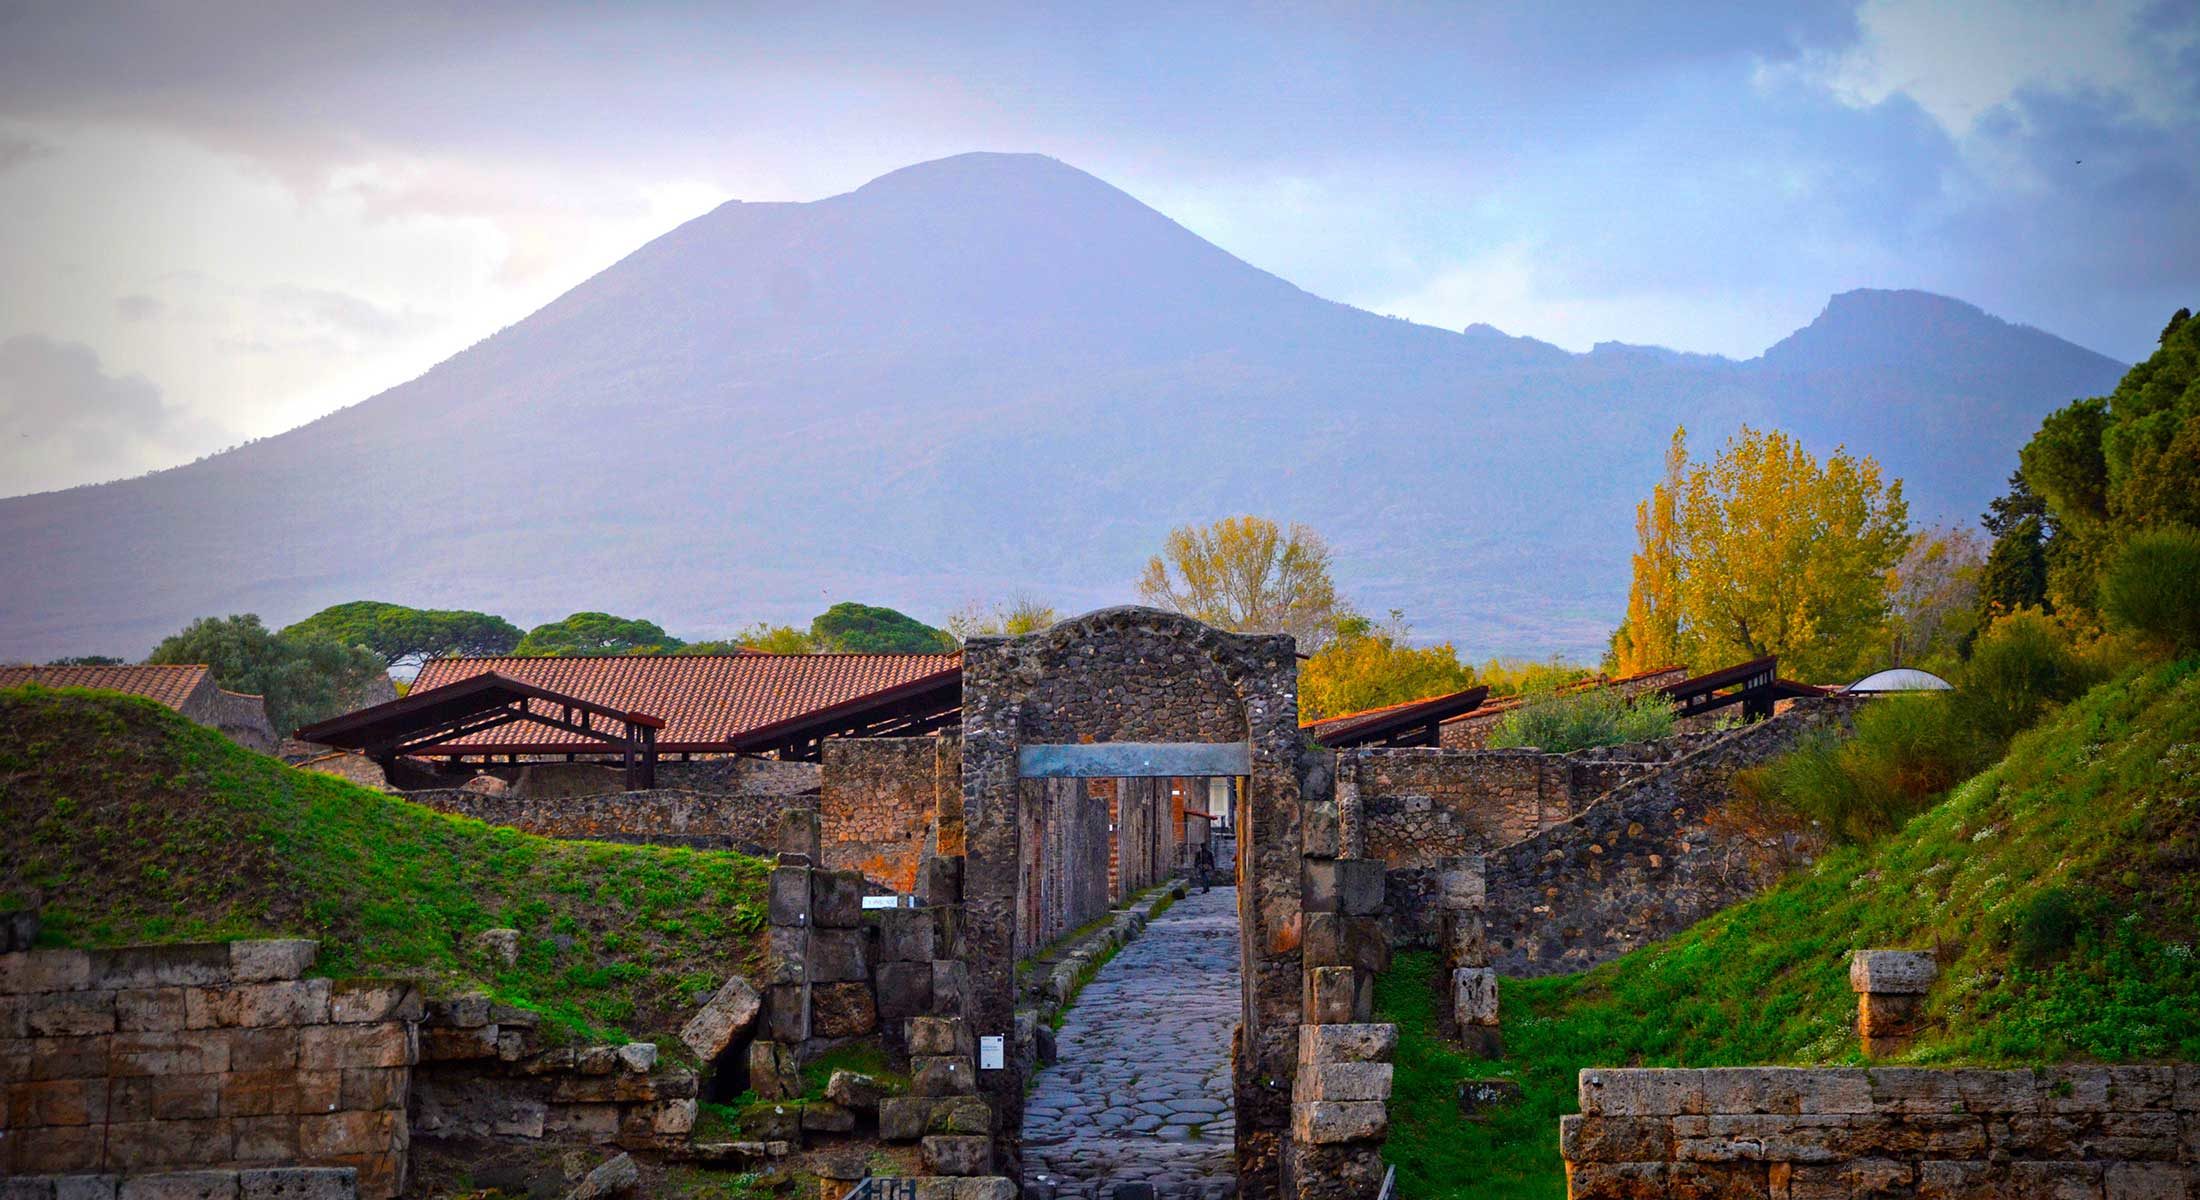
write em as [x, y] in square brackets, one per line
[2152, 588]
[2045, 927]
[1557, 722]
[2023, 665]
[1906, 751]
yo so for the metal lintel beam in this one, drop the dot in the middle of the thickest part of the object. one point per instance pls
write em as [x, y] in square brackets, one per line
[1133, 760]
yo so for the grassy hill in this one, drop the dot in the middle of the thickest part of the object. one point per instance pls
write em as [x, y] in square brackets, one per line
[2061, 889]
[126, 824]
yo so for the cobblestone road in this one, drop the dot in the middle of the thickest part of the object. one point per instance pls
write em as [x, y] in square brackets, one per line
[1141, 1091]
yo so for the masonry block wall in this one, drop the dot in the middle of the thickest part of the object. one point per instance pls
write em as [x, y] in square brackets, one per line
[1646, 859]
[2085, 1133]
[664, 817]
[218, 1055]
[485, 1073]
[878, 802]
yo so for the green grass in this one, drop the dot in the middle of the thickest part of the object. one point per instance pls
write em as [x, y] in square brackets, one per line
[2061, 888]
[127, 824]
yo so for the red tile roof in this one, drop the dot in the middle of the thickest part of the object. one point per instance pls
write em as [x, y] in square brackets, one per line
[704, 699]
[169, 685]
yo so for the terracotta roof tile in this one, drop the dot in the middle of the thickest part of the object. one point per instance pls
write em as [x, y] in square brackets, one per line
[169, 685]
[704, 699]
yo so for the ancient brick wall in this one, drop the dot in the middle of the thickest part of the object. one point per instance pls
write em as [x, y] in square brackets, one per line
[2087, 1133]
[1646, 859]
[877, 803]
[214, 1056]
[665, 817]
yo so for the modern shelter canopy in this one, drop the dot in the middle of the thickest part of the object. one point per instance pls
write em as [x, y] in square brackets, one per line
[1900, 679]
[424, 720]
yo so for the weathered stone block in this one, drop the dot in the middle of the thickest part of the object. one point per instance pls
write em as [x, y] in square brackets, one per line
[298, 1183]
[179, 1185]
[293, 1002]
[1586, 1139]
[461, 1012]
[1462, 884]
[437, 1044]
[1329, 1122]
[1474, 996]
[374, 1088]
[1786, 1090]
[178, 1053]
[842, 1010]
[356, 1001]
[333, 1135]
[1466, 938]
[950, 986]
[904, 991]
[150, 1010]
[939, 1035]
[1360, 886]
[87, 1187]
[140, 1146]
[856, 1091]
[1899, 972]
[2148, 1181]
[67, 1058]
[68, 1014]
[29, 971]
[1338, 996]
[165, 1098]
[1338, 940]
[728, 1014]
[907, 935]
[800, 833]
[62, 1149]
[1641, 1092]
[958, 1154]
[1476, 1097]
[1347, 1043]
[985, 1187]
[790, 896]
[824, 1116]
[1619, 1181]
[196, 964]
[787, 1014]
[57, 1102]
[787, 958]
[942, 1075]
[269, 1139]
[839, 956]
[1342, 1081]
[942, 883]
[263, 960]
[836, 899]
[960, 1114]
[262, 1094]
[1320, 832]
[774, 1071]
[904, 1118]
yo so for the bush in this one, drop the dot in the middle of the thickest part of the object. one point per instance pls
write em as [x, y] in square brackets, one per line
[2045, 927]
[1906, 751]
[1557, 722]
[2152, 588]
[2024, 665]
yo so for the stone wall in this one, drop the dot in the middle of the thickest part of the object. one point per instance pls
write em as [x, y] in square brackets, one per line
[705, 820]
[1646, 859]
[217, 1056]
[485, 1075]
[878, 803]
[2085, 1133]
[243, 718]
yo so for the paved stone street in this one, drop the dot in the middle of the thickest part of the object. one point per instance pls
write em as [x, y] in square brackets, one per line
[1142, 1089]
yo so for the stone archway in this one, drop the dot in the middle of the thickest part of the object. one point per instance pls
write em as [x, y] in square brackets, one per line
[1141, 676]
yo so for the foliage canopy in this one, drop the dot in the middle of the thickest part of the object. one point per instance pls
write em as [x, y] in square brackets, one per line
[596, 633]
[1250, 575]
[302, 679]
[855, 628]
[401, 635]
[1368, 666]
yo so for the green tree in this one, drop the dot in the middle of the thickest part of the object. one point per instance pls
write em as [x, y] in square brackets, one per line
[1935, 600]
[596, 633]
[409, 636]
[2015, 574]
[1013, 617]
[855, 628]
[2152, 588]
[1250, 575]
[86, 660]
[776, 639]
[302, 679]
[1368, 666]
[1770, 551]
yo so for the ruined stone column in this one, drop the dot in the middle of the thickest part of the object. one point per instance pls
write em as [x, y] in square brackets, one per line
[1472, 999]
[1890, 997]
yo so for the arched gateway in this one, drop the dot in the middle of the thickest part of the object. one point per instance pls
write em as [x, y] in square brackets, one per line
[1136, 692]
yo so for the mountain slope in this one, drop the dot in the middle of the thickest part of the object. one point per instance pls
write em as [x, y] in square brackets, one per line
[986, 374]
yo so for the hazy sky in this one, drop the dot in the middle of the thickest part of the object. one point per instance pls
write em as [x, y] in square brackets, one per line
[220, 220]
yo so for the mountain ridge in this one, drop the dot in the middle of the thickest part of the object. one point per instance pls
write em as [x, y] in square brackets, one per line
[984, 375]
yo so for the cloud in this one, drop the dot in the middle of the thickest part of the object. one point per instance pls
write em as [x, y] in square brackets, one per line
[15, 151]
[137, 306]
[65, 420]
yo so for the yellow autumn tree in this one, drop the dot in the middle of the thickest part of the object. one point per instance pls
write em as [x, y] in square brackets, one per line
[1369, 666]
[1248, 575]
[1650, 636]
[1766, 550]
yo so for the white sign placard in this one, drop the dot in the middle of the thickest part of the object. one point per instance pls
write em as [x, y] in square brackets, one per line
[882, 902]
[992, 1053]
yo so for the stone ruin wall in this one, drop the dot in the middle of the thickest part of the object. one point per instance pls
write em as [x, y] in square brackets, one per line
[214, 1057]
[1647, 859]
[878, 803]
[663, 817]
[1785, 1133]
[1421, 807]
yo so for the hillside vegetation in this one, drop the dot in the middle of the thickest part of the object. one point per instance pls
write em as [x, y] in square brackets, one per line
[2060, 888]
[128, 824]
